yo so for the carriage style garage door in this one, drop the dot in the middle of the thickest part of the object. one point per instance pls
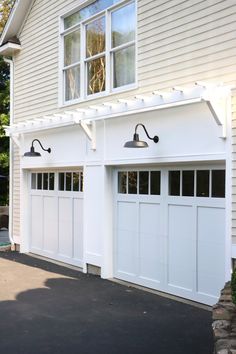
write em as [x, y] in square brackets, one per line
[56, 200]
[170, 230]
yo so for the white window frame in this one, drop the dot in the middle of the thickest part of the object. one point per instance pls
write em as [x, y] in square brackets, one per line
[83, 60]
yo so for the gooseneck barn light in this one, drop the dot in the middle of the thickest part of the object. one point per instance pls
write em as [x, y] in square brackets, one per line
[33, 153]
[136, 143]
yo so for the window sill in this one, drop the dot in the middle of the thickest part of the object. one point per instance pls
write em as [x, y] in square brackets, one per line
[98, 96]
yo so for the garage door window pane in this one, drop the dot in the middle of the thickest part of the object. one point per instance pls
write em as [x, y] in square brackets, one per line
[174, 182]
[122, 182]
[203, 183]
[143, 182]
[33, 180]
[51, 181]
[132, 182]
[68, 181]
[188, 183]
[76, 182]
[61, 181]
[155, 182]
[45, 181]
[218, 184]
[39, 181]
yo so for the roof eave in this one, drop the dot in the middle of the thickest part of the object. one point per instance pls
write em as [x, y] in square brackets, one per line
[15, 20]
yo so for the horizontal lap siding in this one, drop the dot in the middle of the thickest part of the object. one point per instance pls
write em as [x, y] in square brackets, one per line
[179, 42]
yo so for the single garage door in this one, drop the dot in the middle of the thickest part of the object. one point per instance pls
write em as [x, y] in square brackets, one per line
[170, 230]
[56, 200]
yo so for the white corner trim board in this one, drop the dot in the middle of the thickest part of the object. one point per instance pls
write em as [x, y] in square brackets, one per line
[215, 97]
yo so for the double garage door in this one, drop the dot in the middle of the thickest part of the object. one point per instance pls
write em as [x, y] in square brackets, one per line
[169, 226]
[57, 215]
[170, 230]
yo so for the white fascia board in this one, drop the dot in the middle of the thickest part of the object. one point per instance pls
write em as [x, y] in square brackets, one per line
[9, 49]
[15, 20]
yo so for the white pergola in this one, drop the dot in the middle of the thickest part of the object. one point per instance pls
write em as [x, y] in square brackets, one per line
[214, 96]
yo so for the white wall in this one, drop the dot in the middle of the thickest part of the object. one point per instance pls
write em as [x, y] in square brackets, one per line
[186, 133]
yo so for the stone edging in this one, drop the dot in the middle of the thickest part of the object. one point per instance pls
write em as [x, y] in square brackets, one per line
[5, 248]
[224, 323]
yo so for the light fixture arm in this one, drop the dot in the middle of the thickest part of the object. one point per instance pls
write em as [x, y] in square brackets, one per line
[155, 138]
[32, 146]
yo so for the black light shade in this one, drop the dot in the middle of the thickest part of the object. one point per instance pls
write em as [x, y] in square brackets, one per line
[136, 143]
[33, 153]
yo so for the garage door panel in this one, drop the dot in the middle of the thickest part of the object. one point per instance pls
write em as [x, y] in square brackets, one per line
[211, 250]
[78, 228]
[50, 227]
[127, 238]
[151, 241]
[37, 222]
[181, 246]
[65, 227]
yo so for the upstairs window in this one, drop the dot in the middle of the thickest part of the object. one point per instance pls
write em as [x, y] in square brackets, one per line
[99, 49]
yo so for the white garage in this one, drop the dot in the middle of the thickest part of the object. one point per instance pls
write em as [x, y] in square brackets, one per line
[170, 229]
[56, 203]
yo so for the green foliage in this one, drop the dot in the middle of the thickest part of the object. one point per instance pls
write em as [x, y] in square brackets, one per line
[5, 8]
[233, 286]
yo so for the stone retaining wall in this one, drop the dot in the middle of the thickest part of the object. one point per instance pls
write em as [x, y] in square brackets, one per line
[224, 323]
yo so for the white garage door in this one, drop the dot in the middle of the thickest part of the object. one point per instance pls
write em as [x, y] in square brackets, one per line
[56, 200]
[170, 230]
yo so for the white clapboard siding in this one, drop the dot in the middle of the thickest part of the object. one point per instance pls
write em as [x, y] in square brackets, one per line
[179, 42]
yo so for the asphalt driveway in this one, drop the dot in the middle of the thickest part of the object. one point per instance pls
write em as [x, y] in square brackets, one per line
[46, 308]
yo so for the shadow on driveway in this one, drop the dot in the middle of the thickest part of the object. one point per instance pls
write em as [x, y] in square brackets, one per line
[83, 314]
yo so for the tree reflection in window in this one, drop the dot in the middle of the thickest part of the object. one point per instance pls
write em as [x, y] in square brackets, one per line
[132, 182]
[96, 75]
[95, 44]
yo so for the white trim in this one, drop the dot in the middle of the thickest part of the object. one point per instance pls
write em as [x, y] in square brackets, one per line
[178, 159]
[228, 191]
[90, 132]
[9, 48]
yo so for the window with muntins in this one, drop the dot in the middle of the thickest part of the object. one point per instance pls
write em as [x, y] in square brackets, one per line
[43, 181]
[197, 183]
[139, 182]
[99, 49]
